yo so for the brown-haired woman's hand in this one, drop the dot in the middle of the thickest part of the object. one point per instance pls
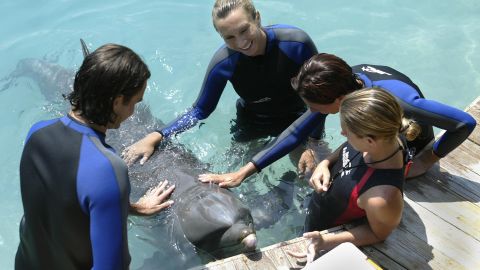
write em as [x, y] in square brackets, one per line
[229, 180]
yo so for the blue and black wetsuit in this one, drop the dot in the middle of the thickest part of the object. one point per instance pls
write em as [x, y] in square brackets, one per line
[339, 205]
[457, 124]
[267, 99]
[75, 194]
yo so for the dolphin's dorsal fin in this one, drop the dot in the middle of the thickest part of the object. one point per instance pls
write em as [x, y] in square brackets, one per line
[84, 48]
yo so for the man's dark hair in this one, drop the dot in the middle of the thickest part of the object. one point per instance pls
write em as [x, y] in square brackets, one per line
[323, 78]
[108, 72]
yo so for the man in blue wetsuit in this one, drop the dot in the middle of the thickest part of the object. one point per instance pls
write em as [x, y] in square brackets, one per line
[259, 62]
[75, 189]
[322, 83]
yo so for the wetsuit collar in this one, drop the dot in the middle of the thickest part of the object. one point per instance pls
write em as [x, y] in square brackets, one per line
[72, 123]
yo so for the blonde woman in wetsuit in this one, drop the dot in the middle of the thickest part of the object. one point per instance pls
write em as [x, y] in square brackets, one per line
[364, 177]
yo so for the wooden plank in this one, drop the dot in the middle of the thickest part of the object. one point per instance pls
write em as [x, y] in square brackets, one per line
[416, 244]
[445, 204]
[259, 261]
[381, 259]
[475, 135]
[229, 265]
[474, 110]
[466, 155]
[461, 181]
[236, 262]
[279, 258]
[241, 263]
[413, 253]
[450, 245]
[298, 246]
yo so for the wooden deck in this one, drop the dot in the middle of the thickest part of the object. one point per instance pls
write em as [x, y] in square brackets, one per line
[440, 228]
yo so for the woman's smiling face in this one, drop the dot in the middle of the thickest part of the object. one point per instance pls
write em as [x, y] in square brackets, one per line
[242, 33]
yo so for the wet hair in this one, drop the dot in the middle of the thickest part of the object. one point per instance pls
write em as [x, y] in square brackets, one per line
[222, 8]
[375, 113]
[108, 72]
[323, 78]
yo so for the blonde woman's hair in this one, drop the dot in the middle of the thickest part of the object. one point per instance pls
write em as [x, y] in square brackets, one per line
[375, 113]
[222, 8]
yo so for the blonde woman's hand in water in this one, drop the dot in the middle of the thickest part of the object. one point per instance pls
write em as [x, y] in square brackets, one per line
[320, 179]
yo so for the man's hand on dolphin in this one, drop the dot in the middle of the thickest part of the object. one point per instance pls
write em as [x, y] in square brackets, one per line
[154, 200]
[228, 180]
[143, 148]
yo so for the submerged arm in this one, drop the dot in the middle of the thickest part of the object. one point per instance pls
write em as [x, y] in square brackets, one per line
[282, 145]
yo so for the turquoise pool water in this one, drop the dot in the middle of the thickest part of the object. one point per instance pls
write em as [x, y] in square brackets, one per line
[437, 43]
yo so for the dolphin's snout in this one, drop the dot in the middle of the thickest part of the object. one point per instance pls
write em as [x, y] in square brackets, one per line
[250, 242]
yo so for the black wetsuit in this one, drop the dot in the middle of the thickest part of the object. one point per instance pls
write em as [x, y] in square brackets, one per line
[75, 194]
[267, 103]
[338, 205]
[457, 124]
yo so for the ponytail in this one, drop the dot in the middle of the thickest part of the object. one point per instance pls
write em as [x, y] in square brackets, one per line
[410, 129]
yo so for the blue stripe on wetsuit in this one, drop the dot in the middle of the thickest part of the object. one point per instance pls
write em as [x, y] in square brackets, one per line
[293, 136]
[100, 198]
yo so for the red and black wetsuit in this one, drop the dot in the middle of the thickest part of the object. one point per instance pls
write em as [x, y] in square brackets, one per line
[338, 205]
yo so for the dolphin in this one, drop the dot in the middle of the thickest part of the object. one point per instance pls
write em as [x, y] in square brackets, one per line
[212, 219]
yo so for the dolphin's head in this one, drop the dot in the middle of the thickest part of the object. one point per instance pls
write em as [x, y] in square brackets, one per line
[240, 237]
[216, 221]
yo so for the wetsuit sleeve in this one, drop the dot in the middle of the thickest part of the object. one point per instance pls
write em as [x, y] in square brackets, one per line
[103, 193]
[299, 47]
[457, 124]
[219, 71]
[295, 134]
